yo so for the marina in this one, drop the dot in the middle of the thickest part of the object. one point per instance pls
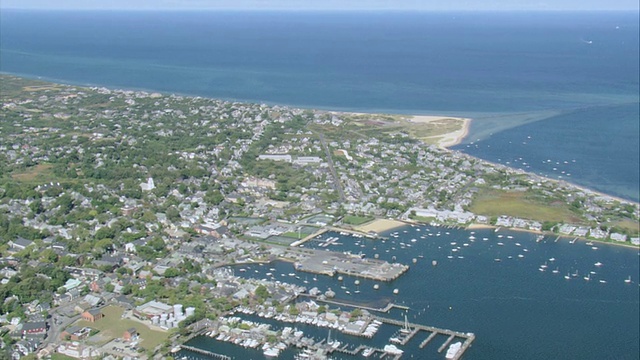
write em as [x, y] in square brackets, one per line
[419, 291]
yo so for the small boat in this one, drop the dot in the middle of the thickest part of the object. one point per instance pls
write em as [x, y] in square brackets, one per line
[588, 277]
[603, 281]
[567, 277]
[367, 352]
[598, 264]
[555, 271]
[628, 280]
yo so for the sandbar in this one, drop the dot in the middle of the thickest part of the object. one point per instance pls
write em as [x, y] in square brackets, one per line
[447, 139]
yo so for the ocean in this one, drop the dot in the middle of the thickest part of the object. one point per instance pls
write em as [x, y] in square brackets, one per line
[515, 310]
[572, 78]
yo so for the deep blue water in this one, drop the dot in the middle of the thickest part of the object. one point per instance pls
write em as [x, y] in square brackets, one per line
[494, 67]
[515, 310]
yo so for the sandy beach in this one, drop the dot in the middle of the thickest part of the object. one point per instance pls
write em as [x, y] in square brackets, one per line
[448, 139]
[380, 225]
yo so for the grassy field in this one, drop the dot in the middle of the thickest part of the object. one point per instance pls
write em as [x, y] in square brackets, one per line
[496, 203]
[113, 326]
[57, 356]
[356, 220]
[40, 172]
[629, 225]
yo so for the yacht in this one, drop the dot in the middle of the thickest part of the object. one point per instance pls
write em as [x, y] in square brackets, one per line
[598, 264]
[453, 350]
[392, 349]
[368, 352]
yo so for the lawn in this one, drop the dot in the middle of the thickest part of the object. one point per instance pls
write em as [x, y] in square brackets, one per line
[113, 326]
[40, 172]
[356, 220]
[632, 226]
[57, 356]
[491, 202]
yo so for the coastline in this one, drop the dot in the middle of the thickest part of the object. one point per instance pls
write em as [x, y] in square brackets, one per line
[451, 138]
[447, 140]
[476, 226]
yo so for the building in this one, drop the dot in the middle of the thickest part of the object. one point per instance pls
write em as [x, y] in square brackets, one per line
[151, 309]
[92, 315]
[20, 244]
[34, 328]
[130, 334]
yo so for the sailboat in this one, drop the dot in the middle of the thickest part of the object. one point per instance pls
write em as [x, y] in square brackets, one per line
[628, 280]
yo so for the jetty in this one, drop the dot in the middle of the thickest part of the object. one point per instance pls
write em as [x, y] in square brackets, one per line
[205, 352]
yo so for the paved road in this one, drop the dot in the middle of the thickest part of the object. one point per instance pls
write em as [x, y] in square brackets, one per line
[336, 180]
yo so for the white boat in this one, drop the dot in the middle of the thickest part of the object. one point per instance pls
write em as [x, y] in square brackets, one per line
[453, 350]
[598, 264]
[567, 276]
[628, 280]
[368, 352]
[392, 349]
[271, 352]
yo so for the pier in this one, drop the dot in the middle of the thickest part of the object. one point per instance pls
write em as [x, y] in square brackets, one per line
[427, 340]
[309, 237]
[385, 309]
[205, 352]
[446, 343]
[469, 337]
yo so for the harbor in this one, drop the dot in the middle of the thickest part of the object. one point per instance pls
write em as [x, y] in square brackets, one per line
[265, 335]
[426, 295]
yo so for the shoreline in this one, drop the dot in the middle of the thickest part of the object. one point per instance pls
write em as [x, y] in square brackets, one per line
[476, 226]
[451, 138]
[461, 133]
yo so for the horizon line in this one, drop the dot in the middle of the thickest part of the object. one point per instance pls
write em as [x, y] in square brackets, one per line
[332, 10]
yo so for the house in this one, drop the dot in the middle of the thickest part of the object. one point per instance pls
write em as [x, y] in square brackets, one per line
[92, 315]
[34, 328]
[75, 333]
[130, 334]
[20, 244]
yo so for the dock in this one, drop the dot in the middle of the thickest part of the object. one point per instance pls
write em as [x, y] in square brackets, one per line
[446, 343]
[205, 352]
[427, 340]
[385, 309]
[469, 337]
[309, 237]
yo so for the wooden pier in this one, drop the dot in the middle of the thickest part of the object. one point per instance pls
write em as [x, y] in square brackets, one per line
[446, 343]
[469, 337]
[427, 340]
[385, 309]
[205, 352]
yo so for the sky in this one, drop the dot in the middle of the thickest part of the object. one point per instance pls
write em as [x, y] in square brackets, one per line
[423, 5]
